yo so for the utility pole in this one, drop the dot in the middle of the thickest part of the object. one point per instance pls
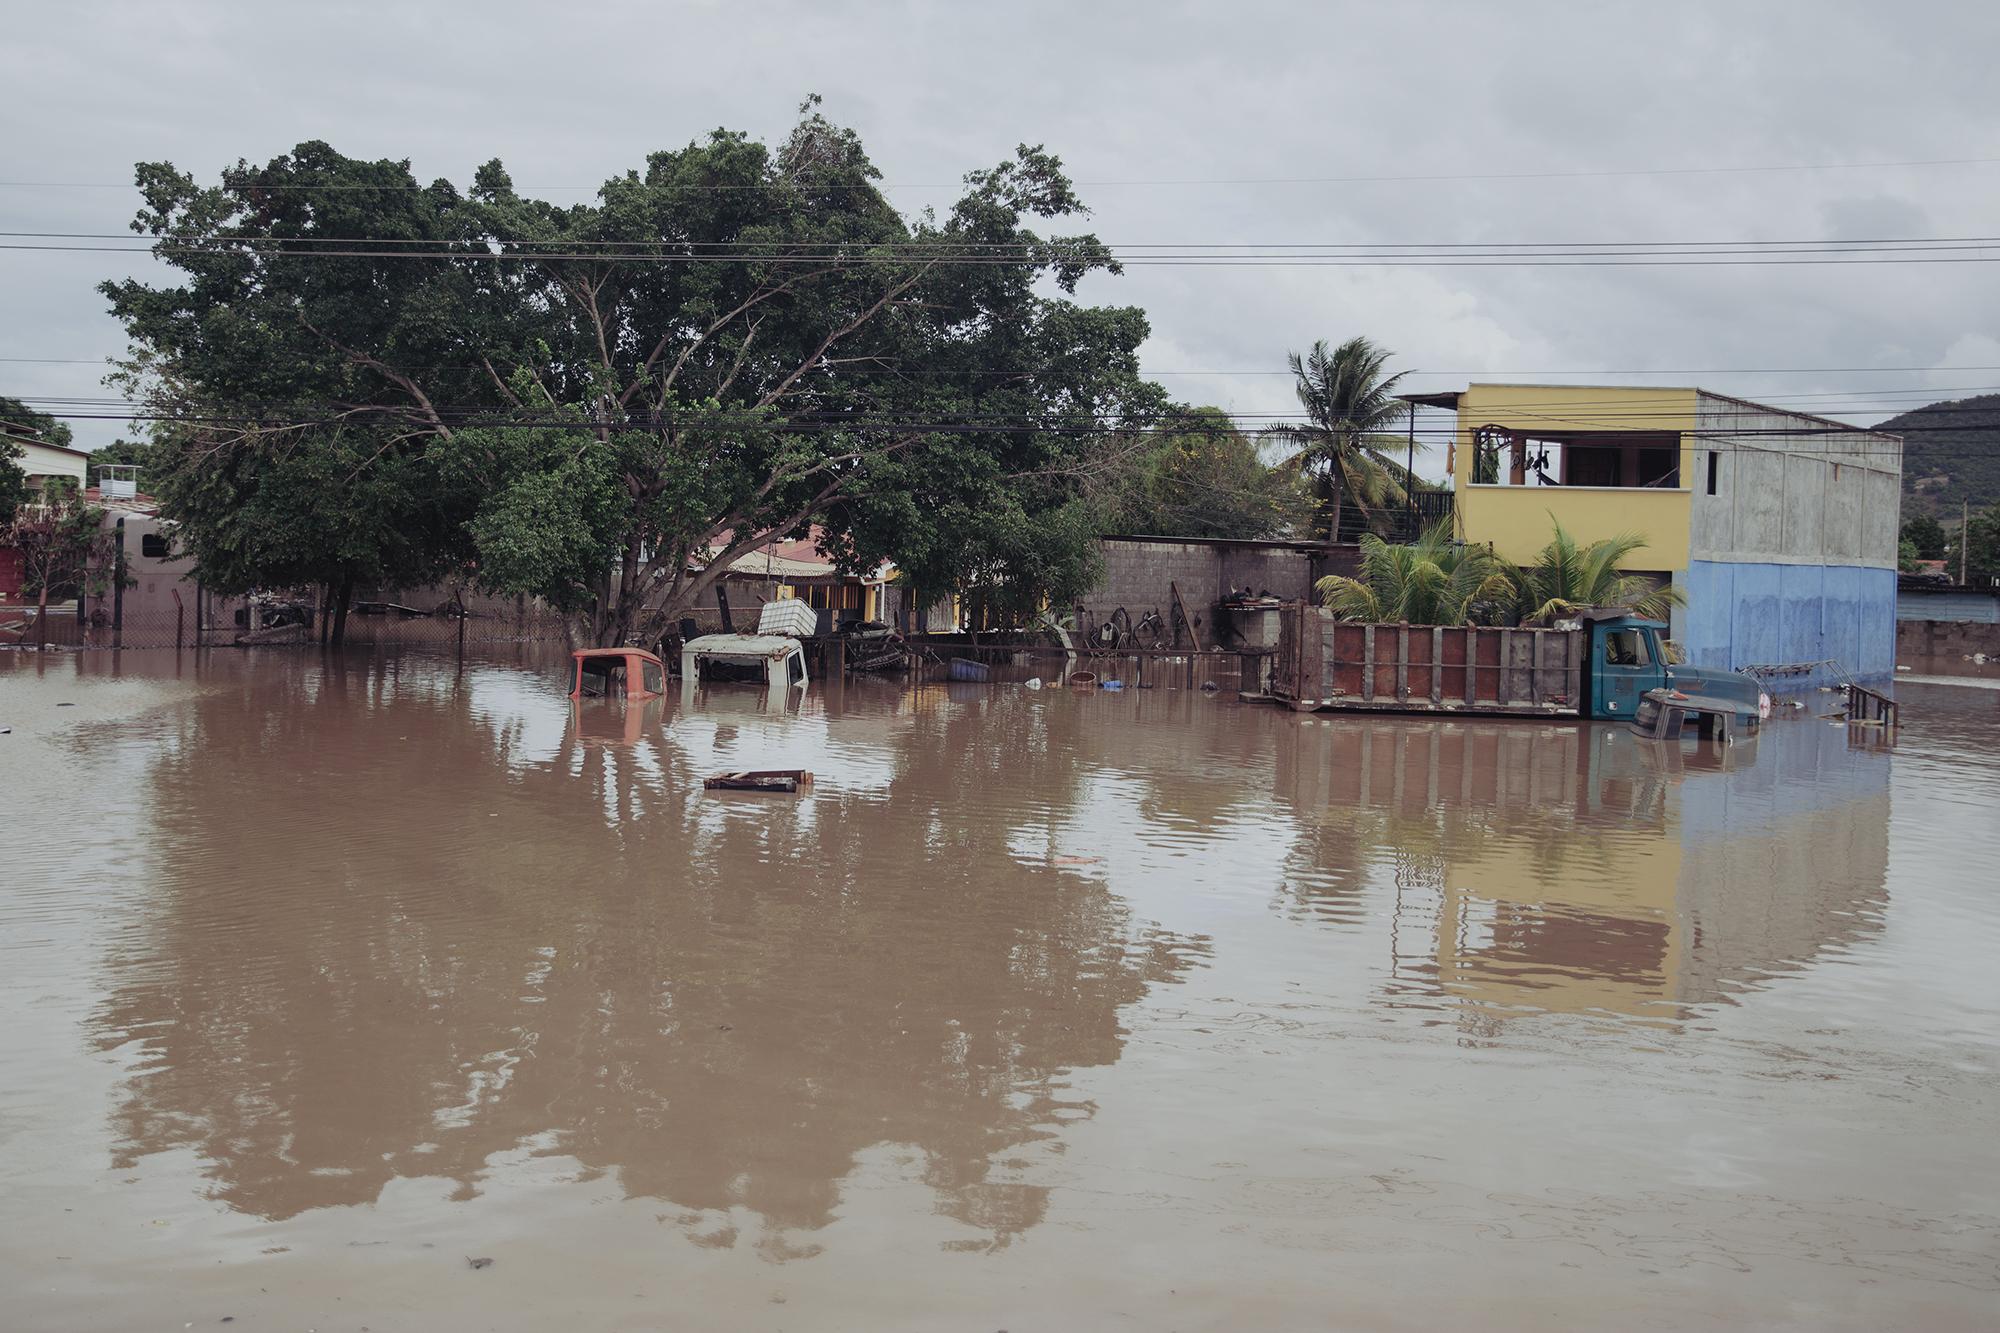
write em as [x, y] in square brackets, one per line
[1410, 472]
[1964, 537]
[118, 590]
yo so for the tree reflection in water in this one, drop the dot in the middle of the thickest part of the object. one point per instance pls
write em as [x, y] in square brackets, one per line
[389, 936]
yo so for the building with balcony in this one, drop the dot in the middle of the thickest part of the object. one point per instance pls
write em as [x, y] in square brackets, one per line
[1781, 527]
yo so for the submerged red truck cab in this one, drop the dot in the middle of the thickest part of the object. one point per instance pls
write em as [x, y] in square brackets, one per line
[610, 673]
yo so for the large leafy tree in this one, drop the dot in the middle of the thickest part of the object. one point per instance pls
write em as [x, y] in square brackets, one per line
[1431, 581]
[1199, 476]
[610, 401]
[292, 450]
[1350, 407]
[25, 420]
[1570, 576]
[13, 481]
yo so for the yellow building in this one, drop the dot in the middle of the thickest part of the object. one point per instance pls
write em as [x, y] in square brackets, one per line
[1781, 527]
[1599, 461]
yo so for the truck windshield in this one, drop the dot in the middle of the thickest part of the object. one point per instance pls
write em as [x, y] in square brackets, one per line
[1626, 647]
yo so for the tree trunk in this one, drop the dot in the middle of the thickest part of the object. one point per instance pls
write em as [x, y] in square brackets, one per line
[42, 617]
[1339, 498]
[342, 601]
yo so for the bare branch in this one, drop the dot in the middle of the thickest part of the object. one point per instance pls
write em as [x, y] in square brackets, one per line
[499, 383]
[880, 305]
[388, 372]
[756, 298]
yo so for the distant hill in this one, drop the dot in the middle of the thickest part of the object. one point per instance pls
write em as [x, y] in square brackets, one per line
[1951, 452]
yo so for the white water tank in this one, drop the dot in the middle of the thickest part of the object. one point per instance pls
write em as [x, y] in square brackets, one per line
[790, 616]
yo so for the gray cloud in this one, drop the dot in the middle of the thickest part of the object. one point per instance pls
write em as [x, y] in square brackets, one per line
[1134, 93]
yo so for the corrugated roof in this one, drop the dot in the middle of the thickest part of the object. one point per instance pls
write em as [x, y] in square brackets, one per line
[793, 559]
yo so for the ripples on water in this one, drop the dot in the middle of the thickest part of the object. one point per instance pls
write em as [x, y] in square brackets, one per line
[312, 930]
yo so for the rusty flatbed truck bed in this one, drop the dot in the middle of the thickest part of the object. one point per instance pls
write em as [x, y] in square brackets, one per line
[1599, 667]
[1352, 666]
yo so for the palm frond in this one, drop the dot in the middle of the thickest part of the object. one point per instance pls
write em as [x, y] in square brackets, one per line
[1350, 599]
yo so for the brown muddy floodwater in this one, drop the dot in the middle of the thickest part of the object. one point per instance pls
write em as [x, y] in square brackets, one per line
[320, 978]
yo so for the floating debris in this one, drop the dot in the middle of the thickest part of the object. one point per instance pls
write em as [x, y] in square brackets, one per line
[766, 779]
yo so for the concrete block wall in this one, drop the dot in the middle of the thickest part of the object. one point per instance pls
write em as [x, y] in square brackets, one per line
[1793, 558]
[1791, 490]
[1139, 574]
[1946, 638]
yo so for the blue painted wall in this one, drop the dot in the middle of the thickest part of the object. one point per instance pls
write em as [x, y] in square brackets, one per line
[1757, 614]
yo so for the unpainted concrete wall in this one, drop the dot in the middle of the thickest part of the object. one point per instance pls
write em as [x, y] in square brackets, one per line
[1138, 574]
[1789, 490]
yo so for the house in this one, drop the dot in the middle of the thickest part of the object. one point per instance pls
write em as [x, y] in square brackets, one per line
[798, 569]
[1782, 527]
[41, 460]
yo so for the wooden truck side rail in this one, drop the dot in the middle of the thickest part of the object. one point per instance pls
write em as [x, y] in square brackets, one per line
[1324, 663]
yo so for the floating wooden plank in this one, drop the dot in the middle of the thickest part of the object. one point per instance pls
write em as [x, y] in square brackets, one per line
[763, 779]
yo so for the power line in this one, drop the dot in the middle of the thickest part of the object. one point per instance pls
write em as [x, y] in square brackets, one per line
[1375, 261]
[1001, 247]
[1734, 370]
[247, 183]
[277, 415]
[1970, 249]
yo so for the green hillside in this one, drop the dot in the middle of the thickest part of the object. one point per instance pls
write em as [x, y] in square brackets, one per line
[1951, 452]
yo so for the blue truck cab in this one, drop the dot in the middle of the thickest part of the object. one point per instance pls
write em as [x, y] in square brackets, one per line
[1626, 661]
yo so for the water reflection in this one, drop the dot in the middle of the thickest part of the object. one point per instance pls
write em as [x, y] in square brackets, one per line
[398, 928]
[1562, 868]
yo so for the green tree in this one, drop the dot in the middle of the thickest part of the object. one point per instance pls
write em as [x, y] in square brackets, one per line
[292, 447]
[1907, 559]
[1198, 476]
[142, 454]
[1432, 581]
[1927, 534]
[65, 550]
[1982, 547]
[1350, 407]
[26, 420]
[13, 481]
[736, 345]
[1568, 578]
[328, 509]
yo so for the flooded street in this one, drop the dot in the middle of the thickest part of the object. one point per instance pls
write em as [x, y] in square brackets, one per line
[320, 978]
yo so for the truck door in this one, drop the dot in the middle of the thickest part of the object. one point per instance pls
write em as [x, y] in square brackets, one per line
[1625, 665]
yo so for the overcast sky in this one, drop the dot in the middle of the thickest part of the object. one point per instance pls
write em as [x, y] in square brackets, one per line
[568, 94]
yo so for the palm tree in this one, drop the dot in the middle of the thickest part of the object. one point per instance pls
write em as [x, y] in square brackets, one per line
[1569, 578]
[1349, 407]
[1432, 581]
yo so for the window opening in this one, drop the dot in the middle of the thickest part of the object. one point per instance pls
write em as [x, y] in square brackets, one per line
[1626, 647]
